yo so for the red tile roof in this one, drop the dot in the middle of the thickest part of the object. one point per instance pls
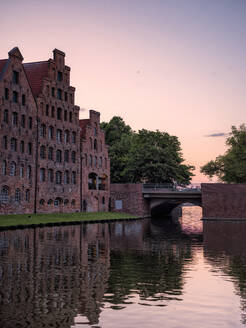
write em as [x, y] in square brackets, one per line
[2, 64]
[36, 72]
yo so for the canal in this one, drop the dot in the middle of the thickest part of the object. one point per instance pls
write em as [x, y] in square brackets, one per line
[144, 273]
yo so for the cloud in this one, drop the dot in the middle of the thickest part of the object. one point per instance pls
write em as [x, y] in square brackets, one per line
[219, 134]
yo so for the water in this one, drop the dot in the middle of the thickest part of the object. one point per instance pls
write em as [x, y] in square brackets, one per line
[126, 274]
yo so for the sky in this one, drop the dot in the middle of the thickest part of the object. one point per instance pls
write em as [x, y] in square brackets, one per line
[177, 66]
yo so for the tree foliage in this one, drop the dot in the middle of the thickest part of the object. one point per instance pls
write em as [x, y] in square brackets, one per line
[230, 167]
[146, 156]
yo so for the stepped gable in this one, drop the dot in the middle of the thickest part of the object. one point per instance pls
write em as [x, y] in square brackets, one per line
[83, 123]
[3, 63]
[36, 72]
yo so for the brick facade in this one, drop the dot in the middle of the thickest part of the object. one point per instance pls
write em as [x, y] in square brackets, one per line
[224, 201]
[43, 141]
[95, 165]
[128, 198]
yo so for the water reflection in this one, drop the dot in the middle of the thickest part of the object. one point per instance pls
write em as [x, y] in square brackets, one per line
[91, 275]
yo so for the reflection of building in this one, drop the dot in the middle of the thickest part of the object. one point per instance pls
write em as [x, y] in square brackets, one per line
[40, 141]
[49, 274]
[95, 165]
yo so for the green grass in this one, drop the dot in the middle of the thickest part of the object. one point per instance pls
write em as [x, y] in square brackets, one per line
[27, 219]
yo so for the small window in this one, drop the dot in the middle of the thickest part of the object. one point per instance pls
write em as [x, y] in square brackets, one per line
[50, 202]
[51, 132]
[15, 118]
[66, 156]
[58, 177]
[106, 163]
[73, 177]
[42, 174]
[15, 77]
[66, 201]
[21, 171]
[12, 169]
[70, 117]
[74, 137]
[50, 154]
[4, 196]
[42, 152]
[85, 159]
[29, 148]
[59, 113]
[100, 162]
[95, 144]
[58, 156]
[65, 96]
[28, 195]
[65, 115]
[66, 136]
[47, 110]
[15, 96]
[66, 177]
[13, 144]
[90, 162]
[73, 202]
[5, 142]
[103, 200]
[17, 195]
[53, 111]
[59, 94]
[73, 157]
[53, 92]
[6, 93]
[43, 131]
[95, 161]
[30, 123]
[4, 168]
[23, 121]
[59, 135]
[42, 202]
[6, 116]
[50, 175]
[23, 100]
[29, 172]
[59, 76]
[22, 146]
[91, 143]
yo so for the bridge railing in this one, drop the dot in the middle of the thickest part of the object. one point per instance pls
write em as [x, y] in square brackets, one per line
[169, 186]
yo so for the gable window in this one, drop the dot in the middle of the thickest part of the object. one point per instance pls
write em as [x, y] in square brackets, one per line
[66, 177]
[52, 111]
[59, 76]
[47, 110]
[51, 132]
[4, 168]
[65, 96]
[15, 77]
[73, 177]
[22, 171]
[6, 116]
[95, 144]
[66, 136]
[70, 117]
[15, 96]
[65, 115]
[53, 92]
[29, 172]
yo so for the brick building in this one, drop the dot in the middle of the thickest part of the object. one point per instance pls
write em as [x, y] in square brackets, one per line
[95, 165]
[43, 141]
[18, 131]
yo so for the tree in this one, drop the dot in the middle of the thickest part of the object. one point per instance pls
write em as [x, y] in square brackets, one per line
[230, 167]
[146, 156]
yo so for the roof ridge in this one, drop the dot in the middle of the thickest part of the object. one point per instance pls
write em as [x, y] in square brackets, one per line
[38, 62]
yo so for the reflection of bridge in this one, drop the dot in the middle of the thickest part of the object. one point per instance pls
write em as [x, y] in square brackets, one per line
[163, 198]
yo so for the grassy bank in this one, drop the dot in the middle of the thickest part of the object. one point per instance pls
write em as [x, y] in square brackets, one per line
[30, 219]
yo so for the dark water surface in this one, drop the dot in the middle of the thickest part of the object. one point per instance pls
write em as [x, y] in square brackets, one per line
[145, 273]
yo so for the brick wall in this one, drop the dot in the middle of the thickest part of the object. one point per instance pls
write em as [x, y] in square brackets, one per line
[128, 198]
[224, 200]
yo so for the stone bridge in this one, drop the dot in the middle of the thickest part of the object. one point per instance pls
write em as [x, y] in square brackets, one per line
[163, 198]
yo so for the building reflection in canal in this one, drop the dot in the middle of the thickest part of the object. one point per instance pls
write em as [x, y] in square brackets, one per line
[67, 276]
